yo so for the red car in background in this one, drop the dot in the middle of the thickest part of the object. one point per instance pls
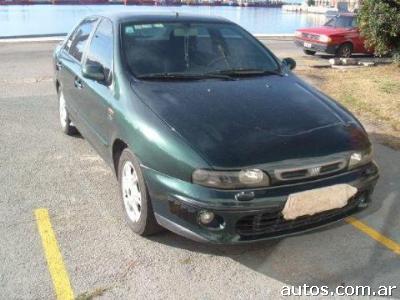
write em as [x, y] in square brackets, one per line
[339, 36]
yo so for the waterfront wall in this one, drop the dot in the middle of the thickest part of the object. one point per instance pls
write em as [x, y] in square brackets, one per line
[244, 3]
[304, 8]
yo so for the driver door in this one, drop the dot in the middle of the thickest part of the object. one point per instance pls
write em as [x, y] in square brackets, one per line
[97, 99]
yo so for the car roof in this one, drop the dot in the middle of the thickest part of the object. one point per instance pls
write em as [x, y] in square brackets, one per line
[122, 17]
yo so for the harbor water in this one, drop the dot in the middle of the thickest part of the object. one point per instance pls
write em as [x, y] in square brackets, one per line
[23, 20]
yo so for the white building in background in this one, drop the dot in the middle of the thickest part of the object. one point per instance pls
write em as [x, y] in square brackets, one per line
[342, 5]
[329, 7]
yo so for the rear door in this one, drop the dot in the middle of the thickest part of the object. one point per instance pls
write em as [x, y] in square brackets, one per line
[70, 71]
[97, 101]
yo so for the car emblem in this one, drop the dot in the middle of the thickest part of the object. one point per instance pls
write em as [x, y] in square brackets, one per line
[314, 171]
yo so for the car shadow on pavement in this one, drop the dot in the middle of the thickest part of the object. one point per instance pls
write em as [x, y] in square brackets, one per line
[335, 255]
[329, 56]
[388, 140]
[77, 135]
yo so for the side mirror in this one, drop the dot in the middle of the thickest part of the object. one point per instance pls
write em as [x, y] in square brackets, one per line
[289, 62]
[93, 70]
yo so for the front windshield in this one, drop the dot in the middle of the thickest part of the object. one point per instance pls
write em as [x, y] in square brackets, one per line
[342, 21]
[193, 48]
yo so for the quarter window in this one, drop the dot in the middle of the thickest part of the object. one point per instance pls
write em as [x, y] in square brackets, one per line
[76, 45]
[101, 48]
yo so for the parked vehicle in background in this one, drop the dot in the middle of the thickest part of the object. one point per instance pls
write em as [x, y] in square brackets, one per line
[339, 36]
[210, 135]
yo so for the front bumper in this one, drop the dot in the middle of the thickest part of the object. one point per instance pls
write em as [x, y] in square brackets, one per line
[317, 47]
[177, 204]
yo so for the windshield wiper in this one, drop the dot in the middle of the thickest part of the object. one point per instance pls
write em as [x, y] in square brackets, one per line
[183, 76]
[247, 72]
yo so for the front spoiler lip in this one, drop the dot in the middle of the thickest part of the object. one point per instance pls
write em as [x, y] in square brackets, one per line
[318, 47]
[187, 233]
[237, 239]
[180, 230]
[183, 224]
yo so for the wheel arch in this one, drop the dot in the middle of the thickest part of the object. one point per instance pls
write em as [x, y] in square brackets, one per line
[58, 85]
[345, 43]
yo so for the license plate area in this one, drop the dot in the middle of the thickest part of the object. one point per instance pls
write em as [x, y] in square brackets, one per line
[318, 200]
[307, 45]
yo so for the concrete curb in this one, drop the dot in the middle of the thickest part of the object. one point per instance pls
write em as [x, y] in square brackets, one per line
[33, 38]
[60, 36]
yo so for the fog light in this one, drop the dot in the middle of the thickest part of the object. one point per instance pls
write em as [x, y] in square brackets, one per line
[206, 217]
[363, 201]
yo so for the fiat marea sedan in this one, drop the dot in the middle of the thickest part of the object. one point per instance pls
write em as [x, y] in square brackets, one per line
[210, 135]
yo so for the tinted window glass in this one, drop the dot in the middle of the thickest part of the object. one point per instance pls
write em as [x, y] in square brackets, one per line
[341, 21]
[69, 42]
[101, 47]
[192, 48]
[80, 38]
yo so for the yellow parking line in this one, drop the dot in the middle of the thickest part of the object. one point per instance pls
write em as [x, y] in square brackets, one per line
[53, 255]
[377, 236]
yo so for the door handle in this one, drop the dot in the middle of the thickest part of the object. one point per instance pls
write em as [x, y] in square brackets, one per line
[78, 83]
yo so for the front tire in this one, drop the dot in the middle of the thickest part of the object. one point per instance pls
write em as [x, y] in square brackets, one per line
[65, 122]
[309, 52]
[345, 50]
[136, 202]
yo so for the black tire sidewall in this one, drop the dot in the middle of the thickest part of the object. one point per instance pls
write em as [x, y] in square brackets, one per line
[343, 46]
[309, 52]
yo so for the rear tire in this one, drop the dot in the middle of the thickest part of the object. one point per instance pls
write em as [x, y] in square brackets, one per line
[309, 52]
[345, 50]
[136, 201]
[65, 122]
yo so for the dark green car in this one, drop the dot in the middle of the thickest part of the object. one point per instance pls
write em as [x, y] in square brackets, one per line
[210, 135]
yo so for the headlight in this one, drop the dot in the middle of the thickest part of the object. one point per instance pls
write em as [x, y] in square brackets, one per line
[297, 34]
[248, 178]
[325, 39]
[358, 159]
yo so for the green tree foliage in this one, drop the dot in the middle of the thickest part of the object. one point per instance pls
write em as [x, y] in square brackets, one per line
[379, 22]
[310, 2]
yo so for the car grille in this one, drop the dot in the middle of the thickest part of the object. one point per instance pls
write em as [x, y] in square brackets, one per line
[272, 223]
[311, 36]
[310, 171]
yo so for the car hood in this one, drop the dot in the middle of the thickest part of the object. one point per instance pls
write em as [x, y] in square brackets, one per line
[250, 121]
[326, 30]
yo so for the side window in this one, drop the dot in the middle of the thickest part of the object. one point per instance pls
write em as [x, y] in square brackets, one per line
[101, 48]
[67, 45]
[79, 39]
[228, 33]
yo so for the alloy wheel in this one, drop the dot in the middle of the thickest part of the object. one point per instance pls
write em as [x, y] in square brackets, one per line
[63, 111]
[131, 193]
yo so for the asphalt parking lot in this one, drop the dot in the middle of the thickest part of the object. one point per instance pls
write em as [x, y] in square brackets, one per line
[42, 168]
